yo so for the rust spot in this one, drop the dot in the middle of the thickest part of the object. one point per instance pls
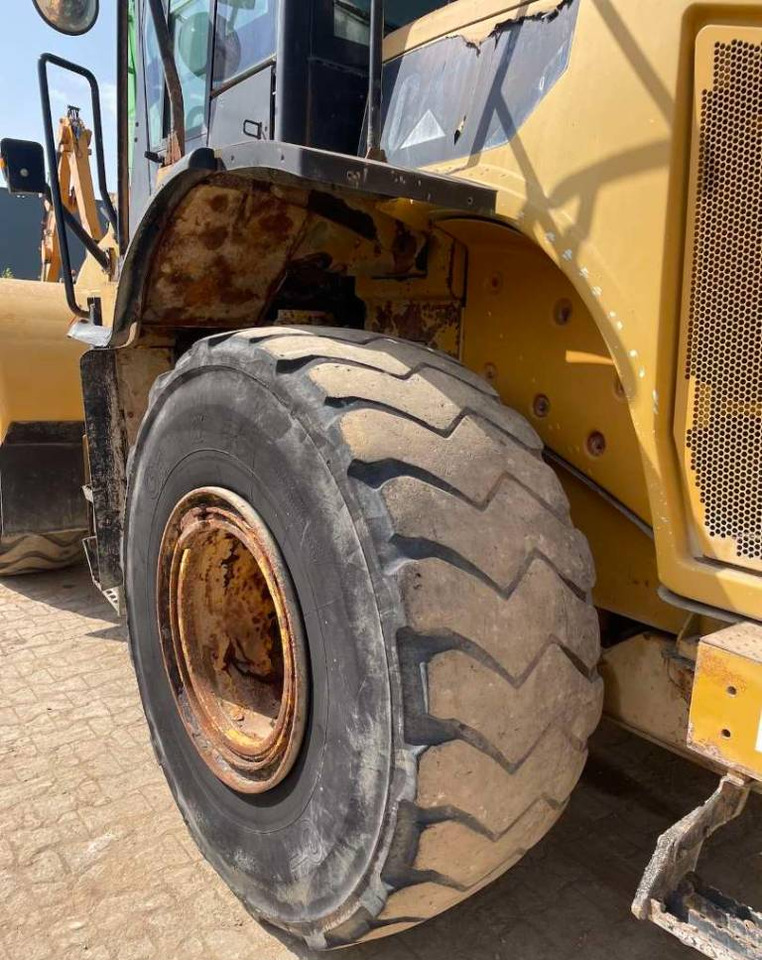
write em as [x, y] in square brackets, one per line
[231, 640]
[681, 674]
[278, 226]
[222, 260]
[214, 237]
[219, 203]
[404, 248]
[596, 444]
[435, 323]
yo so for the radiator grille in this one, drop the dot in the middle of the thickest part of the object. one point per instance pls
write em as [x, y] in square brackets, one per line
[724, 346]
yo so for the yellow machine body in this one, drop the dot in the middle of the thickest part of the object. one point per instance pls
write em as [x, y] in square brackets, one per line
[39, 366]
[581, 300]
[603, 182]
[577, 300]
[611, 294]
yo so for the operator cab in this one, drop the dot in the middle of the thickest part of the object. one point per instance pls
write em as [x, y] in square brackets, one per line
[285, 70]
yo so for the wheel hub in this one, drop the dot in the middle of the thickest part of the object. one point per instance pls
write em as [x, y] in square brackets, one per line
[232, 639]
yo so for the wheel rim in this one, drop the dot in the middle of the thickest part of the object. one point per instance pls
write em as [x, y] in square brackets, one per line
[232, 639]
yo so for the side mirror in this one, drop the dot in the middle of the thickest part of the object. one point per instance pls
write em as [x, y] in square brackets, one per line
[23, 164]
[72, 17]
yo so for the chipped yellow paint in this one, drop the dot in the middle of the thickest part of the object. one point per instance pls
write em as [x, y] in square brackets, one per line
[474, 20]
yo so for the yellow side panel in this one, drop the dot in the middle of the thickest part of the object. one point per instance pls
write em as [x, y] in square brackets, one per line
[39, 366]
[726, 706]
[528, 331]
[598, 176]
[626, 579]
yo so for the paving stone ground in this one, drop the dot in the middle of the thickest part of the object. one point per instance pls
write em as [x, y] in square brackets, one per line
[96, 864]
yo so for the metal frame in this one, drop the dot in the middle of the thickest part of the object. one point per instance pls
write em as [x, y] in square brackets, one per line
[55, 187]
[675, 898]
[176, 137]
[375, 69]
[122, 123]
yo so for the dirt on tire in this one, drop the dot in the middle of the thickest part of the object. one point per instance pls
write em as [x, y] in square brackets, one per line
[482, 586]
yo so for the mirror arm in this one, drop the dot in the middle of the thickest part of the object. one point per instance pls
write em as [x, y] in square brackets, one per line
[100, 161]
[52, 157]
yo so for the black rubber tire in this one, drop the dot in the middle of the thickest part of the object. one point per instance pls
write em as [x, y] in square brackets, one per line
[40, 552]
[445, 595]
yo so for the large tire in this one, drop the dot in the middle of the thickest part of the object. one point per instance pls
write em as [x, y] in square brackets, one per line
[445, 597]
[40, 552]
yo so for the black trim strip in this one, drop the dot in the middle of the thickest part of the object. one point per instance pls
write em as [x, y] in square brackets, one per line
[338, 171]
[554, 458]
[122, 123]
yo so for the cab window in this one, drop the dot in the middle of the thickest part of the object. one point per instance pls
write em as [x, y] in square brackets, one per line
[351, 18]
[190, 32]
[245, 36]
[191, 43]
[154, 83]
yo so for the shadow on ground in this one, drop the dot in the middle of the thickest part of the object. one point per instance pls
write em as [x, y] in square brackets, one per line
[571, 895]
[71, 590]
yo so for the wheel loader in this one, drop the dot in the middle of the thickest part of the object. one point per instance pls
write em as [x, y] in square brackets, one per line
[43, 517]
[422, 398]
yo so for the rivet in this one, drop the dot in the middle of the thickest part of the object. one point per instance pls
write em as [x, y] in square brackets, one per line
[490, 372]
[495, 282]
[596, 444]
[562, 312]
[541, 405]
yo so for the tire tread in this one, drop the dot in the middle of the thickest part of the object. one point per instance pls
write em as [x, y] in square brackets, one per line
[38, 553]
[472, 531]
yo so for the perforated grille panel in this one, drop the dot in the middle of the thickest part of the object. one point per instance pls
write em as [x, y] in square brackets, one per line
[724, 310]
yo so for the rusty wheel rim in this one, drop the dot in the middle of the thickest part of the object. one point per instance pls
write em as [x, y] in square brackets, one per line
[232, 639]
